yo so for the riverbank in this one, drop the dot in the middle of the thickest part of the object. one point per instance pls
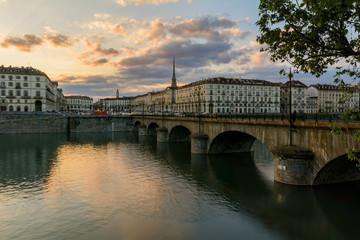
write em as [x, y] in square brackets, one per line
[39, 122]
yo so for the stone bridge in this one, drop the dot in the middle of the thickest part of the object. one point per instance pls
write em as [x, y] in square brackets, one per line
[316, 156]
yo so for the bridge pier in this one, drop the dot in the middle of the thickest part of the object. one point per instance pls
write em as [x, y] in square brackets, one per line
[199, 142]
[142, 130]
[162, 134]
[293, 165]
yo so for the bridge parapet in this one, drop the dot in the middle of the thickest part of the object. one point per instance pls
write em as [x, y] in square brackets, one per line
[316, 146]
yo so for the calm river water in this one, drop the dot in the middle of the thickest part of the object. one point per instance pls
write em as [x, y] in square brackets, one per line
[117, 186]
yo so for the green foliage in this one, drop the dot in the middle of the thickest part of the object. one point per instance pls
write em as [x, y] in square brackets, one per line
[313, 35]
[336, 131]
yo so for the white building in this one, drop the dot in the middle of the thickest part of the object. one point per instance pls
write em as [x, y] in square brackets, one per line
[229, 95]
[116, 105]
[298, 97]
[332, 99]
[28, 89]
[79, 103]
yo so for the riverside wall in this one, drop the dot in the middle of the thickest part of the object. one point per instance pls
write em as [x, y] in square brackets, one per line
[14, 123]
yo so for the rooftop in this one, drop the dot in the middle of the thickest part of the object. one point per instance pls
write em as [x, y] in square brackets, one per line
[20, 70]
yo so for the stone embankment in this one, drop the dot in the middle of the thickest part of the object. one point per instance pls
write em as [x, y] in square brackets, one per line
[13, 122]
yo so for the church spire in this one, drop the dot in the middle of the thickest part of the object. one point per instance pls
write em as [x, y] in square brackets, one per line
[173, 82]
[117, 93]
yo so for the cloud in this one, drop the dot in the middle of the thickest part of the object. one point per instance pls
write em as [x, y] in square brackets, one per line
[106, 85]
[97, 49]
[204, 27]
[157, 61]
[93, 62]
[25, 44]
[208, 27]
[58, 40]
[125, 3]
[105, 23]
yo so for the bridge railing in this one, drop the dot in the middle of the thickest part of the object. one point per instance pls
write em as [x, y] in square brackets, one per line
[305, 117]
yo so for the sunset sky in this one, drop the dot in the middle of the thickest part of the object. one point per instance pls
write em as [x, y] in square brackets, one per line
[93, 47]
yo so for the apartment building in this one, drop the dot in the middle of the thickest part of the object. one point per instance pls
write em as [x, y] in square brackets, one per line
[298, 97]
[79, 103]
[28, 89]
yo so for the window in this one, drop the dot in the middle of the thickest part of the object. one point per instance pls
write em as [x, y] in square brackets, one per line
[25, 84]
[18, 93]
[10, 84]
[2, 76]
[25, 78]
[17, 77]
[38, 93]
[3, 93]
[37, 78]
[2, 84]
[18, 108]
[11, 93]
[10, 77]
[26, 93]
[37, 84]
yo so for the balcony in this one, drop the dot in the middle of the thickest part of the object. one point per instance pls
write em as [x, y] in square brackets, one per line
[18, 87]
[25, 97]
[10, 96]
[38, 97]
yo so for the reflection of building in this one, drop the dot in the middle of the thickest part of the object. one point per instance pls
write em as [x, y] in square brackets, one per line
[28, 89]
[79, 103]
[298, 98]
[332, 99]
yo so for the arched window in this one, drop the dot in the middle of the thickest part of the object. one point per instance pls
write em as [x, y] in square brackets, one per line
[18, 108]
[11, 108]
[26, 108]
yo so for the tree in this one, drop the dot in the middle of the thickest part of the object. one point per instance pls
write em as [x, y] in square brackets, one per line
[313, 35]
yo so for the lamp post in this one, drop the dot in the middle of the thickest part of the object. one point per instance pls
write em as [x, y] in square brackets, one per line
[199, 109]
[291, 120]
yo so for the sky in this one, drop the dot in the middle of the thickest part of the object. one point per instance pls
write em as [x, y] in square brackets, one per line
[93, 47]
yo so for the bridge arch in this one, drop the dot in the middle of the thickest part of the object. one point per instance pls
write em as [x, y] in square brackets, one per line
[340, 169]
[152, 129]
[137, 124]
[179, 133]
[231, 142]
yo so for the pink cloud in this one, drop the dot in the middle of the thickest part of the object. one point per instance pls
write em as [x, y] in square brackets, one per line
[25, 44]
[58, 40]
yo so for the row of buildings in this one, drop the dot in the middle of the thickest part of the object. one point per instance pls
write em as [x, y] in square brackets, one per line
[237, 95]
[28, 89]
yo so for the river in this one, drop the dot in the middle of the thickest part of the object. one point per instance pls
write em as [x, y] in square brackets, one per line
[117, 186]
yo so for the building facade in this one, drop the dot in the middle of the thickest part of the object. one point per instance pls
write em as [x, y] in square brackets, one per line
[79, 103]
[298, 97]
[116, 105]
[229, 95]
[28, 89]
[333, 99]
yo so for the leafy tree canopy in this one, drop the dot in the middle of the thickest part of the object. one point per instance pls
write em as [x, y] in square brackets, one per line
[312, 34]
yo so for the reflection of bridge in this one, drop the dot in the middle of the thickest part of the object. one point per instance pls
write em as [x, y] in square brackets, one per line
[316, 157]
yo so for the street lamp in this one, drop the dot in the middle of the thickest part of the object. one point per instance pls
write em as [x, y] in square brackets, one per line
[291, 119]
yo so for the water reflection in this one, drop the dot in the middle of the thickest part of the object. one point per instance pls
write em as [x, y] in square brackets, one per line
[27, 158]
[121, 186]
